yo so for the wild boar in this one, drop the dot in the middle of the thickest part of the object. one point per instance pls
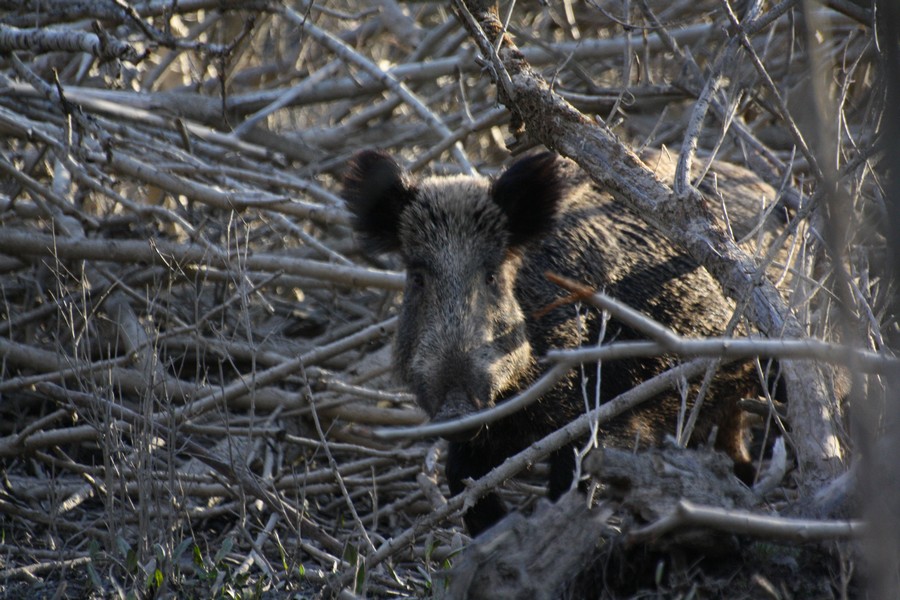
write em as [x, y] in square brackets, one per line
[472, 328]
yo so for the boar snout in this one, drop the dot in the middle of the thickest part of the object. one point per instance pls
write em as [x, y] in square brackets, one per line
[457, 403]
[458, 388]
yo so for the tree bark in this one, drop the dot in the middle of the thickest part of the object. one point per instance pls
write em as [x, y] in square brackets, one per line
[534, 557]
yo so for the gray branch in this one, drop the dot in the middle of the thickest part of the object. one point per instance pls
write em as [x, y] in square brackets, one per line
[39, 41]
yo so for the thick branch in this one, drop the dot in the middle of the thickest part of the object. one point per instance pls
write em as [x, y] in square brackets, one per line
[48, 40]
[28, 243]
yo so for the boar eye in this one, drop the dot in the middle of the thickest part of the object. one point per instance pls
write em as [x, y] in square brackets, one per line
[416, 278]
[490, 278]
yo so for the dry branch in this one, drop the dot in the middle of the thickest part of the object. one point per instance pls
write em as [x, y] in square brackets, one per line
[43, 40]
[688, 514]
[180, 257]
[195, 366]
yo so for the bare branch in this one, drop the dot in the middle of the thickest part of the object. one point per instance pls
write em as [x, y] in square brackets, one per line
[688, 514]
[48, 40]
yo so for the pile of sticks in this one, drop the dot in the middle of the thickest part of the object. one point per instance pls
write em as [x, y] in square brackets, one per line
[195, 354]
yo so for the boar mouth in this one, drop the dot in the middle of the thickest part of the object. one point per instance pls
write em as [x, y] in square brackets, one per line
[457, 404]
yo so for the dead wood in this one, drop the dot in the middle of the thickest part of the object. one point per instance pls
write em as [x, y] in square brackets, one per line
[195, 355]
[539, 556]
[533, 557]
[662, 501]
[649, 485]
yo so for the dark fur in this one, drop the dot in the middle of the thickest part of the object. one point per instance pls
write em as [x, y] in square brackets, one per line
[468, 338]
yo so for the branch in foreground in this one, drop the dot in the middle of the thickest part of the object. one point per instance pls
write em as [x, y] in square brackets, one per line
[664, 341]
[733, 348]
[513, 465]
[580, 426]
[741, 522]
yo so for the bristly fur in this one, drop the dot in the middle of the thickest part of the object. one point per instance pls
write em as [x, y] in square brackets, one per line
[376, 191]
[473, 325]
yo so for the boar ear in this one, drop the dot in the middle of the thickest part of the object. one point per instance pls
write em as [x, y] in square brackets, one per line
[376, 190]
[530, 193]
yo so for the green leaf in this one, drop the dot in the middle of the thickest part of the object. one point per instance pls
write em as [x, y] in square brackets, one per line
[429, 549]
[179, 550]
[122, 546]
[95, 578]
[426, 575]
[223, 551]
[160, 552]
[154, 576]
[360, 576]
[131, 561]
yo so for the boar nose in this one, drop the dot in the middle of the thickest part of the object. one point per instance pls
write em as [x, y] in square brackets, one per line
[457, 402]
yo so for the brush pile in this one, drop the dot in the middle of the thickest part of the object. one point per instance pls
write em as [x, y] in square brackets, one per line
[195, 356]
